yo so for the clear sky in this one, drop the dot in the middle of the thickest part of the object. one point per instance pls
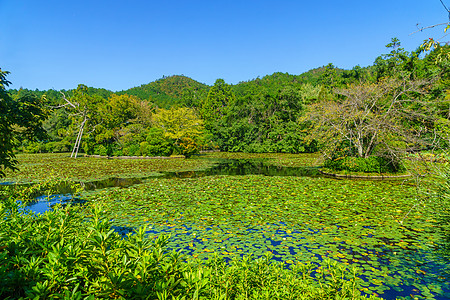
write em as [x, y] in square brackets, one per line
[121, 44]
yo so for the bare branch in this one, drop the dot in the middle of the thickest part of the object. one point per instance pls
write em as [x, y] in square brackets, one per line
[429, 27]
[68, 102]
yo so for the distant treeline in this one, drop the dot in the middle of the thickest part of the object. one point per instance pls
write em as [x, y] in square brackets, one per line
[178, 115]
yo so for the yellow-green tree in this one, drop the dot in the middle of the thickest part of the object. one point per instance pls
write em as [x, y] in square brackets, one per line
[182, 125]
[119, 109]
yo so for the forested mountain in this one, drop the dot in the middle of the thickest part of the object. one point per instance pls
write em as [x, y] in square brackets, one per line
[169, 91]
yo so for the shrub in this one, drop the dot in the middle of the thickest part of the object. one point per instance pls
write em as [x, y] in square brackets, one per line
[35, 147]
[131, 150]
[57, 147]
[101, 150]
[187, 147]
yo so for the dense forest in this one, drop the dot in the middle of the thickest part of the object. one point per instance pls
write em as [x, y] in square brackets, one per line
[367, 117]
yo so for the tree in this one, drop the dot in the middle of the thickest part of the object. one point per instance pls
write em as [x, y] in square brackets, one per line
[19, 117]
[85, 109]
[330, 77]
[371, 119]
[182, 125]
[392, 63]
[118, 110]
[437, 44]
[442, 121]
[220, 96]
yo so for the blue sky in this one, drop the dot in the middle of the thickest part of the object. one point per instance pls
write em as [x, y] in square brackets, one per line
[121, 44]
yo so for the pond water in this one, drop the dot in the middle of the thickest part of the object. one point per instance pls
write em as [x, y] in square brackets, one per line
[223, 167]
[237, 215]
[358, 223]
[45, 203]
[240, 167]
[6, 183]
[400, 265]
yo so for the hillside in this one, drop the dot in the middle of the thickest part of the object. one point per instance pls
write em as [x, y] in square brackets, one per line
[169, 91]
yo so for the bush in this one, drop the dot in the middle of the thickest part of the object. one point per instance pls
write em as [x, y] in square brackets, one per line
[157, 144]
[101, 150]
[372, 164]
[187, 147]
[131, 150]
[57, 147]
[144, 148]
[35, 147]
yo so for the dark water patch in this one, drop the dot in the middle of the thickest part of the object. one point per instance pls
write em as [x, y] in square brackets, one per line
[7, 183]
[123, 231]
[45, 203]
[111, 182]
[242, 167]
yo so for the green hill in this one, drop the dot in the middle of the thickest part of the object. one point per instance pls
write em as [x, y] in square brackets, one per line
[176, 90]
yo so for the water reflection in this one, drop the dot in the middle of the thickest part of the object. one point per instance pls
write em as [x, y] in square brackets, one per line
[111, 182]
[45, 203]
[242, 167]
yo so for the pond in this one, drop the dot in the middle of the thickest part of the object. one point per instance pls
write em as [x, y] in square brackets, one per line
[247, 167]
[222, 167]
[378, 227]
[382, 228]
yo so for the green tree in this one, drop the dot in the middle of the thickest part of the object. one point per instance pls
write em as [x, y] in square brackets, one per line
[330, 77]
[20, 117]
[85, 112]
[219, 98]
[182, 125]
[372, 119]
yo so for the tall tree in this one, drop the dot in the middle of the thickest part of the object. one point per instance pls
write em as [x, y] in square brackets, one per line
[19, 117]
[85, 112]
[372, 119]
[220, 96]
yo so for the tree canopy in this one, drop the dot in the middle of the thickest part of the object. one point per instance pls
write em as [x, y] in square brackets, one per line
[20, 117]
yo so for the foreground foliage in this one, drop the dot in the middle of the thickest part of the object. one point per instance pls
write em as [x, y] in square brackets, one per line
[63, 255]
